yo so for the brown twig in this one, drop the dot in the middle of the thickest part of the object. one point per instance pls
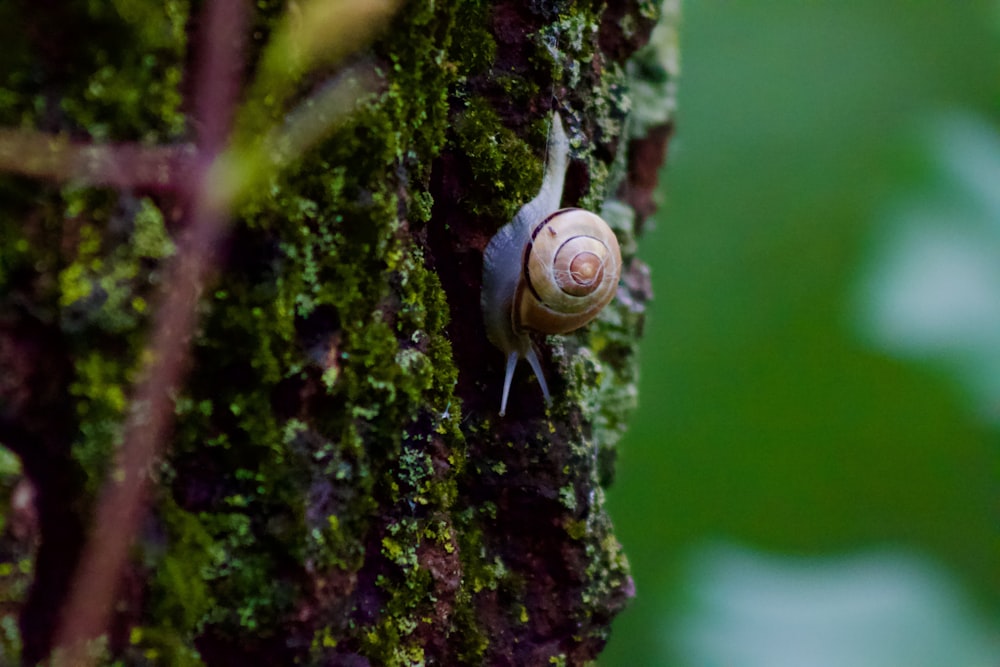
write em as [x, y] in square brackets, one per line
[123, 165]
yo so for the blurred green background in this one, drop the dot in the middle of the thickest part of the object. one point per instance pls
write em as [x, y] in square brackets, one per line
[768, 417]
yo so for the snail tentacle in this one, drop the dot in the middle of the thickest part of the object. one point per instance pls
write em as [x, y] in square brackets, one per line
[512, 359]
[536, 365]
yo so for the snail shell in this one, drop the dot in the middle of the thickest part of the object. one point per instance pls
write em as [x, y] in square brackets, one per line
[570, 272]
[547, 270]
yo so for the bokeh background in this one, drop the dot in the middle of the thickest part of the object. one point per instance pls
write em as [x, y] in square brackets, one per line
[813, 476]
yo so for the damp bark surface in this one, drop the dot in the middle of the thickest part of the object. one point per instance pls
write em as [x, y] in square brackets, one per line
[336, 486]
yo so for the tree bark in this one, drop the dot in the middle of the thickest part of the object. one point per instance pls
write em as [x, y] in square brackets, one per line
[337, 487]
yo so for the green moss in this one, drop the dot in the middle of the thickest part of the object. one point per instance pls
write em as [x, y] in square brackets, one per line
[17, 565]
[130, 83]
[159, 646]
[505, 170]
[106, 284]
[569, 42]
[473, 48]
[567, 496]
[180, 595]
[99, 389]
[102, 299]
[518, 88]
[421, 204]
[339, 233]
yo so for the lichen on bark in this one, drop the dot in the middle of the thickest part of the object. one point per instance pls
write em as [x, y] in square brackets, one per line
[338, 488]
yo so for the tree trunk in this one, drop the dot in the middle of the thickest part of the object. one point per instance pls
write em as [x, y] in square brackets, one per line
[337, 487]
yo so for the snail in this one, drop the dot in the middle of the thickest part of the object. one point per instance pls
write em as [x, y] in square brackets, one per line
[548, 270]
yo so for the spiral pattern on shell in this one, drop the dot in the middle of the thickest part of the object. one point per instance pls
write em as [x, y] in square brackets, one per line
[571, 270]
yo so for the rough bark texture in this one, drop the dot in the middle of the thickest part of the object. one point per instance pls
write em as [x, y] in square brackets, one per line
[338, 488]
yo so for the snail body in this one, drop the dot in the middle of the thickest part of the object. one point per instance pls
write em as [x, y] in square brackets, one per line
[548, 270]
